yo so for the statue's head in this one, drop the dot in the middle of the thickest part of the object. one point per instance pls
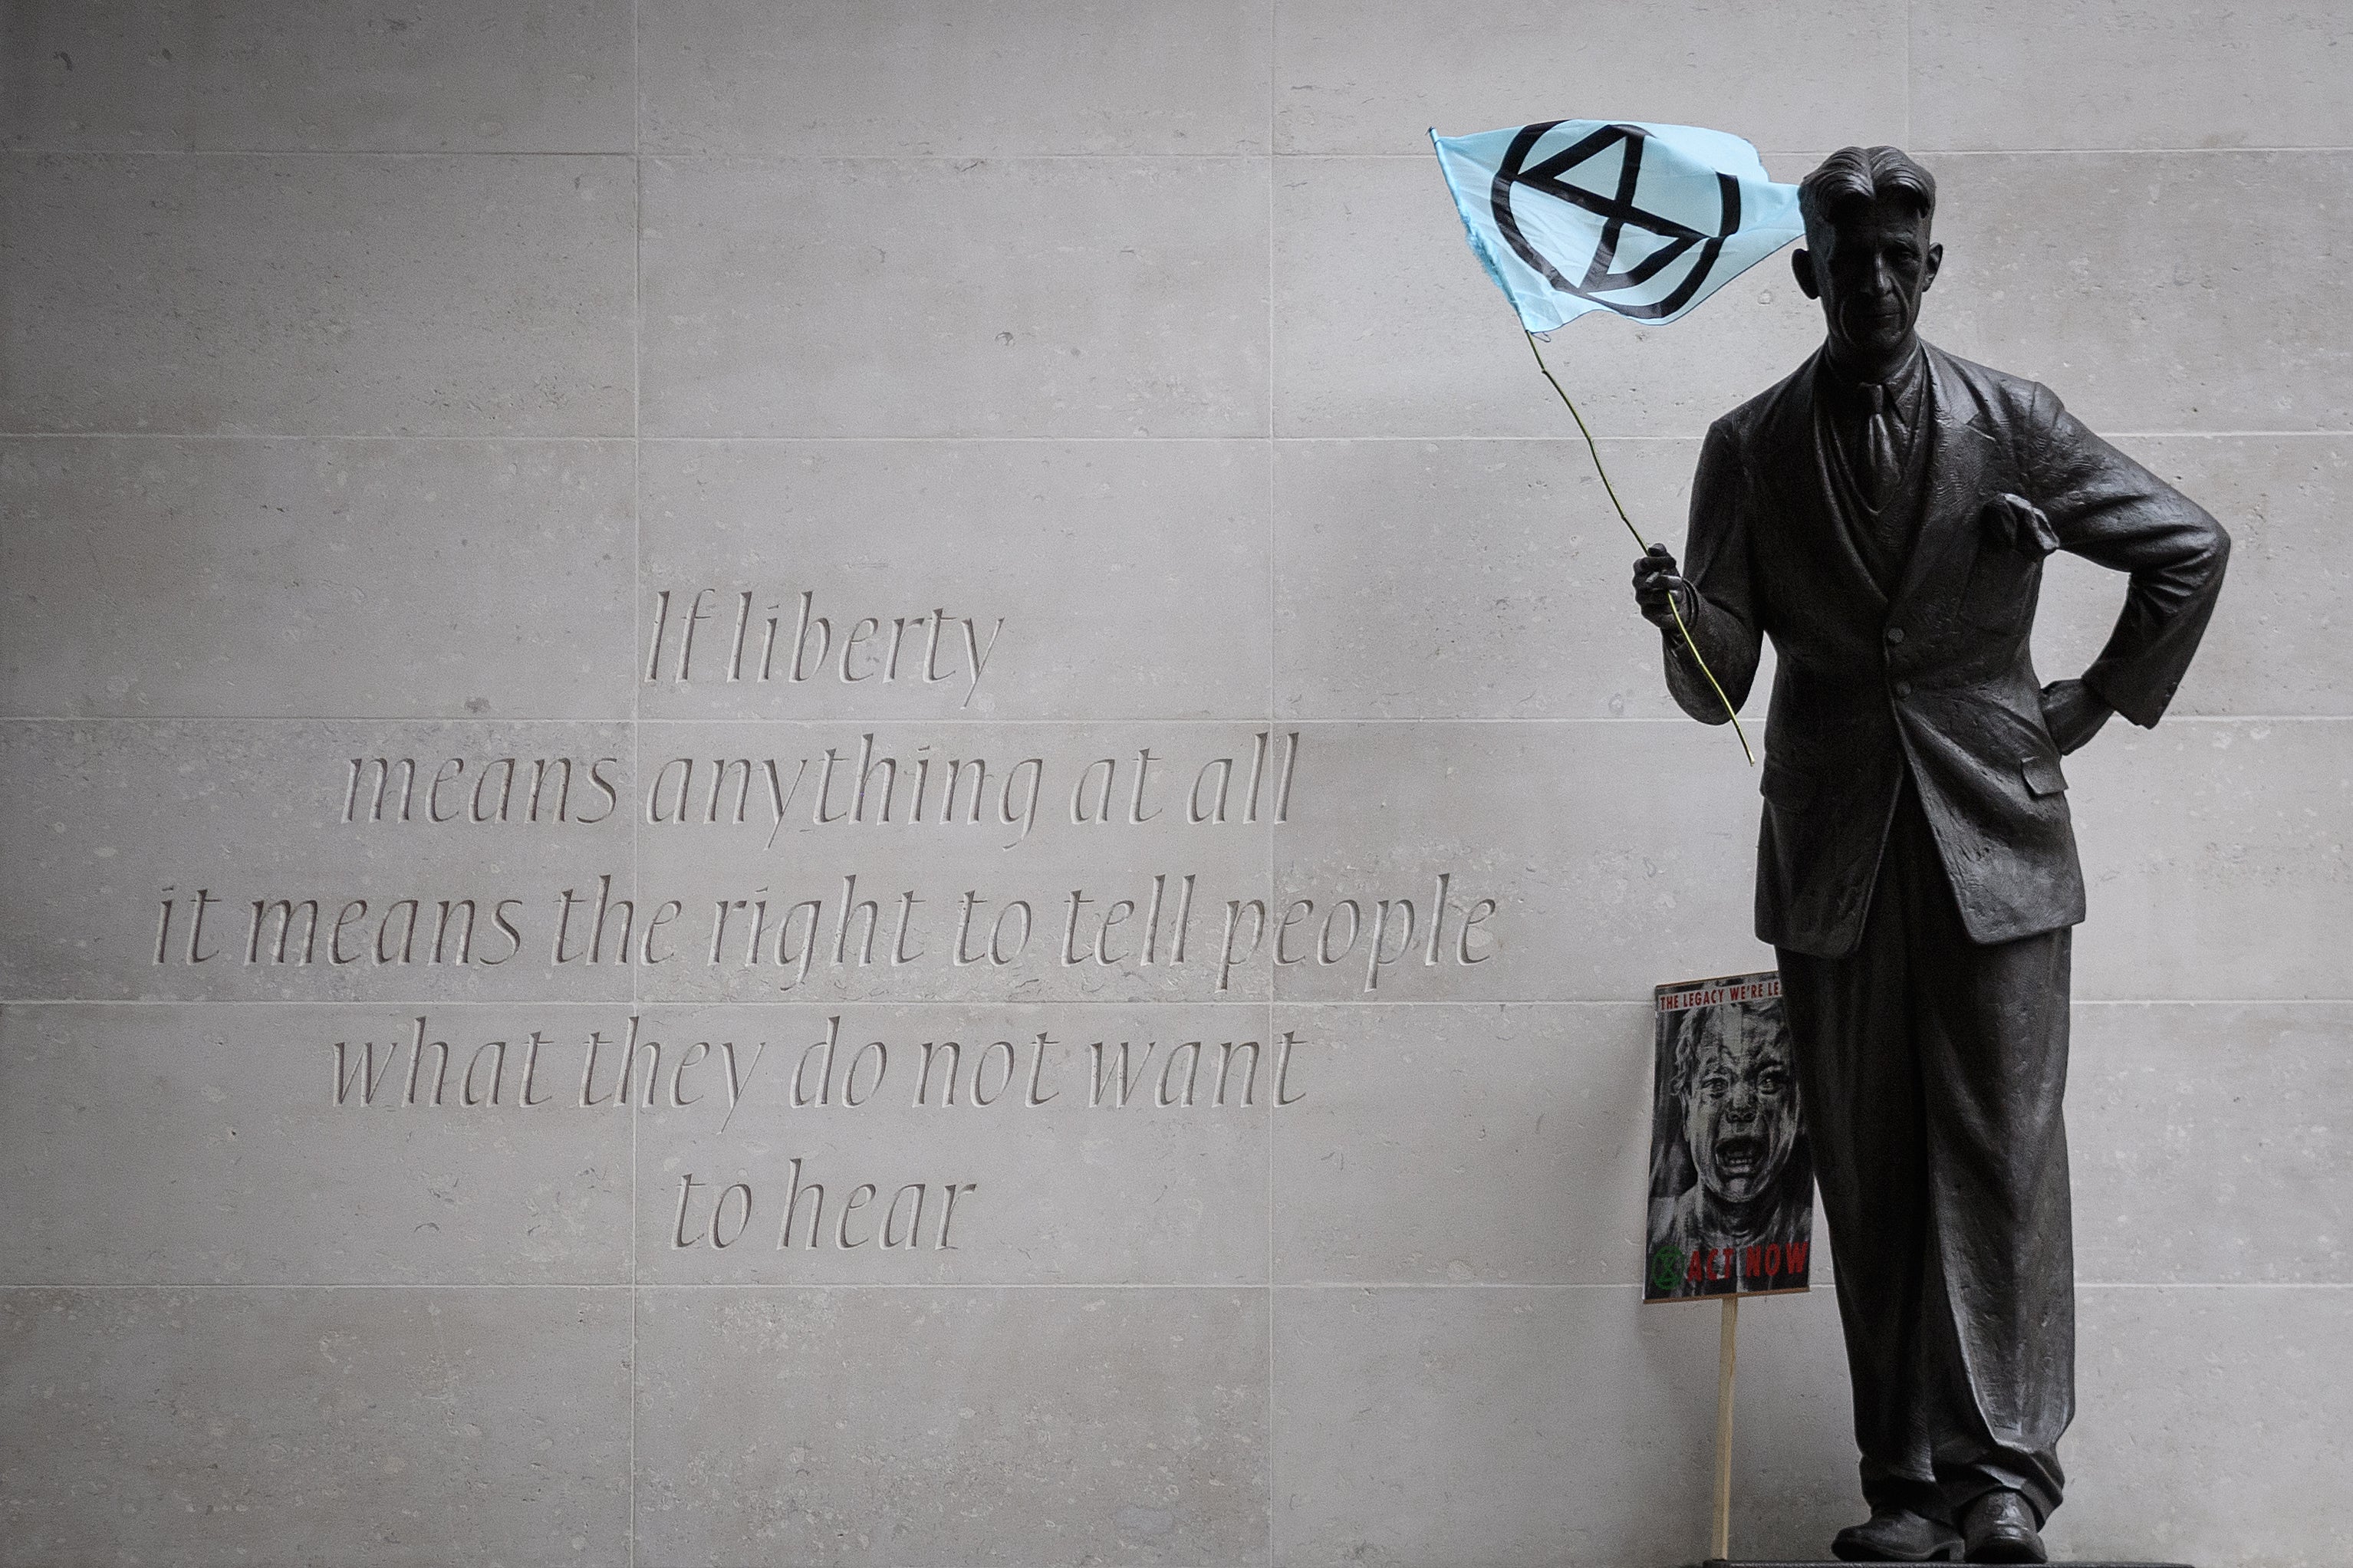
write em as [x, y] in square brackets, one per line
[1740, 1101]
[1868, 256]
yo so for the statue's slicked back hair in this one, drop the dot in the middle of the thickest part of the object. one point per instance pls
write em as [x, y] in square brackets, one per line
[1863, 174]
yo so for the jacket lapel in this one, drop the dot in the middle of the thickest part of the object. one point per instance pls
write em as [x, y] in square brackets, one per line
[1809, 500]
[1960, 444]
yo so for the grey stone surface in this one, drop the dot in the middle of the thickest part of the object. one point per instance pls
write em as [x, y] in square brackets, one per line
[301, 578]
[926, 296]
[336, 76]
[2208, 1433]
[303, 1145]
[2029, 75]
[1455, 579]
[1368, 79]
[102, 821]
[1471, 1424]
[2272, 648]
[1009, 813]
[1114, 1151]
[359, 1427]
[2124, 282]
[1436, 1142]
[1449, 1426]
[852, 78]
[901, 1427]
[1598, 901]
[2214, 854]
[344, 296]
[1112, 567]
[2207, 1145]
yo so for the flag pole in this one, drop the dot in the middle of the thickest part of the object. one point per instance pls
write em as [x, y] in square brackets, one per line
[1697, 658]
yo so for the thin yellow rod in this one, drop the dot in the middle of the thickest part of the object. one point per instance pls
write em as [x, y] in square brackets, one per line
[1697, 658]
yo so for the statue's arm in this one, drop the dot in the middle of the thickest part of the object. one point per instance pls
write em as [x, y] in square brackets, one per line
[1712, 591]
[2108, 509]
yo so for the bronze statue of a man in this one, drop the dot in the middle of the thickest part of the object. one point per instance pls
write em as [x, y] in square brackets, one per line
[1883, 515]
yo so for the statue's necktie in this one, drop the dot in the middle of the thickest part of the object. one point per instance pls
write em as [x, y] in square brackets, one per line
[1882, 466]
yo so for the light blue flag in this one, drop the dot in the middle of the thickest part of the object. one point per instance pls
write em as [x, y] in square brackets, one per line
[1593, 214]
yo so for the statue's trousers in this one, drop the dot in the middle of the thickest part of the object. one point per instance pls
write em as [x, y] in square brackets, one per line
[1931, 1070]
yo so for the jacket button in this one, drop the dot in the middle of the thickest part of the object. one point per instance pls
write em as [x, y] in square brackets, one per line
[1902, 689]
[1895, 634]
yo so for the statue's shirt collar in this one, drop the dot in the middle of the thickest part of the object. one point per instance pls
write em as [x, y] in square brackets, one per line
[1900, 394]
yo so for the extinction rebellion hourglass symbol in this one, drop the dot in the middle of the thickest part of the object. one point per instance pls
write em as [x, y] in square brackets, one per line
[1618, 213]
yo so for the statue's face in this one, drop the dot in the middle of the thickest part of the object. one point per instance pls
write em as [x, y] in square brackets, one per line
[1877, 264]
[1741, 1120]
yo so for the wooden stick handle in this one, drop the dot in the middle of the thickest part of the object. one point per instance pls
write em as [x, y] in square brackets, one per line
[1728, 1355]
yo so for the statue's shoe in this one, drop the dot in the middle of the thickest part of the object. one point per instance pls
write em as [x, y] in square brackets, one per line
[1896, 1535]
[2000, 1527]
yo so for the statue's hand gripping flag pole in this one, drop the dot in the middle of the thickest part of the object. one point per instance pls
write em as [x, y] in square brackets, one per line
[1571, 216]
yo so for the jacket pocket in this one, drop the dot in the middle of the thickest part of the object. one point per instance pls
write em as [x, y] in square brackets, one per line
[2001, 589]
[2042, 776]
[1786, 788]
[2013, 539]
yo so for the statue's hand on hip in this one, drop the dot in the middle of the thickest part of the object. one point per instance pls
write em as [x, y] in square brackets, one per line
[2073, 712]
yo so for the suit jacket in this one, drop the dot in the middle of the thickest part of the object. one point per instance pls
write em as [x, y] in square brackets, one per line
[1937, 678]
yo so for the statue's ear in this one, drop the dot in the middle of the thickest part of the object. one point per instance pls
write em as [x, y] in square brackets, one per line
[1936, 259]
[1801, 262]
